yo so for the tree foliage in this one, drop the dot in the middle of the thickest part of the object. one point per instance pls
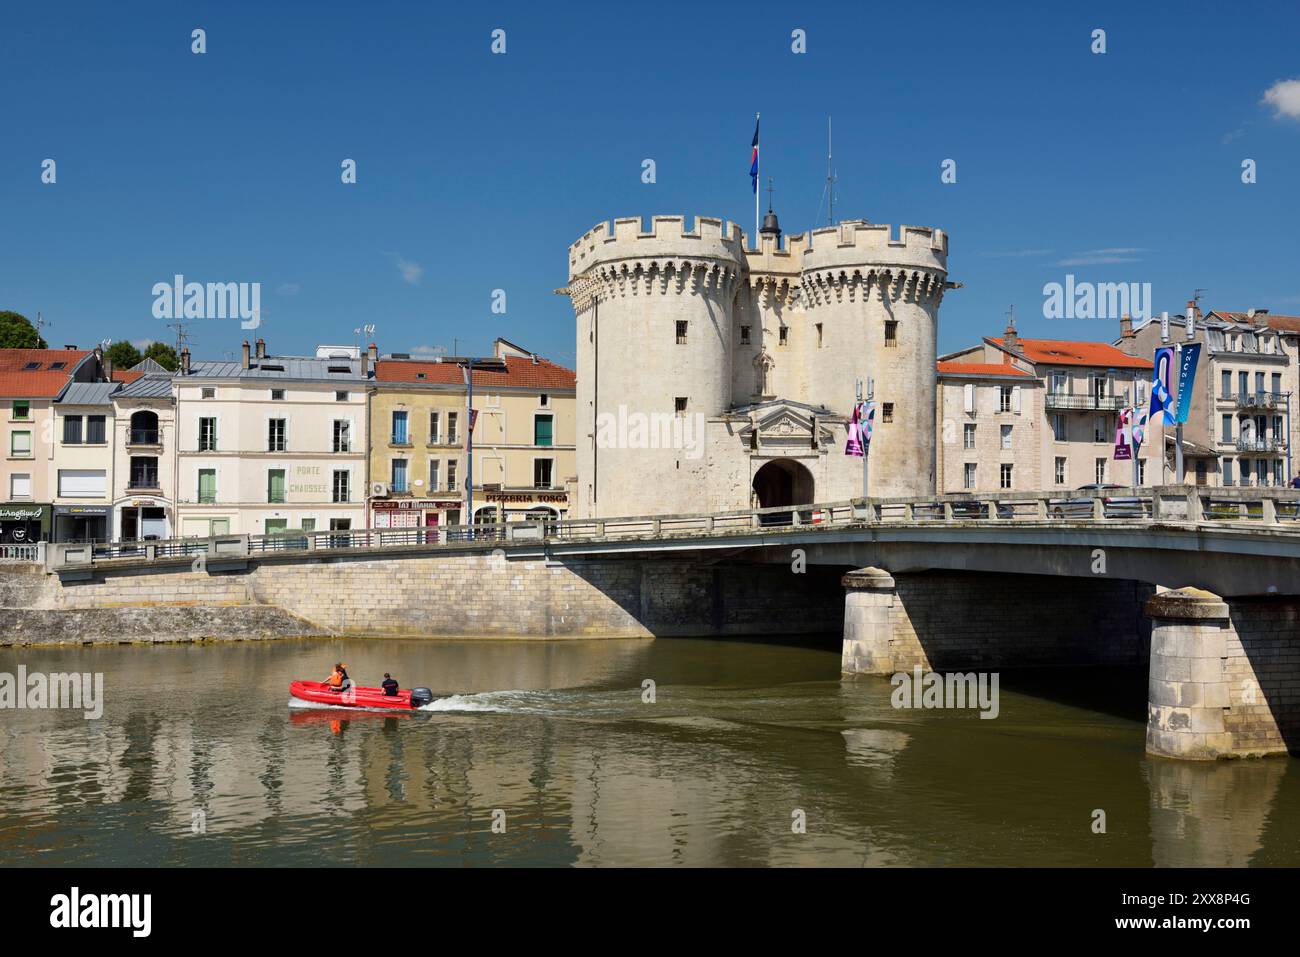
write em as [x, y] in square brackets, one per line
[122, 354]
[164, 355]
[17, 332]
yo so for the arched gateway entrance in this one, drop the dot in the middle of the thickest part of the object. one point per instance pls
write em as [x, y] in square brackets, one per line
[783, 482]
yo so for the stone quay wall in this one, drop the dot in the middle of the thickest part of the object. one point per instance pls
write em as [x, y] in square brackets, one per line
[489, 596]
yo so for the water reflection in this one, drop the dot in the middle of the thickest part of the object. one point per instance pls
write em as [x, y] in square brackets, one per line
[741, 740]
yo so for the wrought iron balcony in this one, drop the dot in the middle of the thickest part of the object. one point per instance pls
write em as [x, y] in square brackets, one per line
[1260, 445]
[143, 437]
[1098, 403]
[1260, 400]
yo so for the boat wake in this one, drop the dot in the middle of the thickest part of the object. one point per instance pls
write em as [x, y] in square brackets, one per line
[500, 702]
[503, 702]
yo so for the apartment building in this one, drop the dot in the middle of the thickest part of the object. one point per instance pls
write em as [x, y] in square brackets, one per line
[83, 463]
[271, 443]
[523, 420]
[144, 459]
[1240, 428]
[31, 381]
[1027, 414]
[989, 437]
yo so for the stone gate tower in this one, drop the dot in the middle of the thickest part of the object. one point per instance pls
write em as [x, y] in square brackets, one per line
[712, 376]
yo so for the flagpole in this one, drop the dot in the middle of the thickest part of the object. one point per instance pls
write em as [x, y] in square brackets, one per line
[758, 178]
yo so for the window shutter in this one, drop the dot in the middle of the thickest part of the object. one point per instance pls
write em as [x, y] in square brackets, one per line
[1015, 399]
[542, 434]
[968, 396]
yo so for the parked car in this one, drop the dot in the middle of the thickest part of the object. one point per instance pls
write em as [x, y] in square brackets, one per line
[981, 510]
[1113, 506]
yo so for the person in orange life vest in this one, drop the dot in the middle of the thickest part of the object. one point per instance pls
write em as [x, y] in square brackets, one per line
[338, 679]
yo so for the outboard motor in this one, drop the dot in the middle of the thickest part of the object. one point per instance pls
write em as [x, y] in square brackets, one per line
[420, 696]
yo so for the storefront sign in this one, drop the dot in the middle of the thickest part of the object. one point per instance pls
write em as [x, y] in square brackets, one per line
[407, 503]
[23, 513]
[517, 498]
[96, 510]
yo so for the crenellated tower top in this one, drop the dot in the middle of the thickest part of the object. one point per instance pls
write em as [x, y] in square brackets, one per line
[710, 253]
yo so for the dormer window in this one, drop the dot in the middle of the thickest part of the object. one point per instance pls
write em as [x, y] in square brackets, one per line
[31, 367]
[340, 369]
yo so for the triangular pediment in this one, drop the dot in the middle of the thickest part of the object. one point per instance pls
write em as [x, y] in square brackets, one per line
[785, 422]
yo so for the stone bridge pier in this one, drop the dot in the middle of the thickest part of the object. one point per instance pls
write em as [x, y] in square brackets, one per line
[1224, 675]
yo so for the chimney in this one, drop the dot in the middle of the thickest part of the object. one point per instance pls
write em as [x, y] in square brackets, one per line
[374, 353]
[1009, 337]
[1126, 326]
[108, 370]
[365, 364]
[245, 354]
[261, 348]
[185, 361]
[99, 364]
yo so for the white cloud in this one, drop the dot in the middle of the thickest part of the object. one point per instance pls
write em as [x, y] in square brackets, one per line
[1284, 97]
[411, 271]
[1102, 257]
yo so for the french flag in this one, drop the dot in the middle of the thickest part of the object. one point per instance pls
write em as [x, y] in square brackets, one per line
[753, 162]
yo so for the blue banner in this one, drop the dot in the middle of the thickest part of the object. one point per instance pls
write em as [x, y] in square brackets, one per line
[1188, 356]
[1161, 381]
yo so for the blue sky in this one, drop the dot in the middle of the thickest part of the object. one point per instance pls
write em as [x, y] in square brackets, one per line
[475, 171]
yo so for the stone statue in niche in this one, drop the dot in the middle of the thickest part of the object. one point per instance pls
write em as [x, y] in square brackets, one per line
[763, 365]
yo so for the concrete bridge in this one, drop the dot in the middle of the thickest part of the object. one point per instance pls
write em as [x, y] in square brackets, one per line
[1201, 584]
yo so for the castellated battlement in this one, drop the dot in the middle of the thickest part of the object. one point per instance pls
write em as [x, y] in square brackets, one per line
[668, 239]
[854, 244]
[859, 243]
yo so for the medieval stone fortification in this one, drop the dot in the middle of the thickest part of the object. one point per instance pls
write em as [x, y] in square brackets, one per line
[713, 376]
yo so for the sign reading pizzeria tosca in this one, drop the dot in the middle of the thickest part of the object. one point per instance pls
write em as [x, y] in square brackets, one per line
[518, 497]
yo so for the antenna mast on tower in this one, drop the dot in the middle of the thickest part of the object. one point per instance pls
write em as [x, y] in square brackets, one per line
[830, 177]
[182, 336]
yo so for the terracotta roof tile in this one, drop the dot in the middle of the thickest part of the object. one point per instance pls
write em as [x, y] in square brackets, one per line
[980, 369]
[17, 381]
[1064, 352]
[1280, 323]
[520, 374]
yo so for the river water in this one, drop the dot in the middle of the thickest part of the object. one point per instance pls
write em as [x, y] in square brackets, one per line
[550, 754]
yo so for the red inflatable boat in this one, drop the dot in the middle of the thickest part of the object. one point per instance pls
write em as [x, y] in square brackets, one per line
[318, 692]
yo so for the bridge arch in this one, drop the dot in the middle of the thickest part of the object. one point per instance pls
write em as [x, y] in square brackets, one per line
[783, 482]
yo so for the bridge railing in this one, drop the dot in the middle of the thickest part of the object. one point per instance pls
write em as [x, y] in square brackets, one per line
[1276, 509]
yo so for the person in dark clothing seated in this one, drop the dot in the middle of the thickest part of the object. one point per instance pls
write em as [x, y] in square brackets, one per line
[389, 685]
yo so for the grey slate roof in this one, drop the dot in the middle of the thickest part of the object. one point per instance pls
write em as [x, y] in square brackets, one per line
[89, 393]
[147, 387]
[149, 367]
[300, 368]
